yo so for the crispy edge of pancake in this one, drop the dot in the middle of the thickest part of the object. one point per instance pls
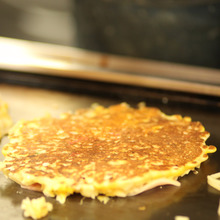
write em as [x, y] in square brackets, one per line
[63, 187]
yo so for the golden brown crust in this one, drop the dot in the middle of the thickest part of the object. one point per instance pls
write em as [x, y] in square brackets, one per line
[102, 148]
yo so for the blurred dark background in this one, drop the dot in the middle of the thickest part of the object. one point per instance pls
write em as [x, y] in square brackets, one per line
[170, 30]
[47, 21]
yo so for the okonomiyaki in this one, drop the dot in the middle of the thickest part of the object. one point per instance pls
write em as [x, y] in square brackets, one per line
[112, 151]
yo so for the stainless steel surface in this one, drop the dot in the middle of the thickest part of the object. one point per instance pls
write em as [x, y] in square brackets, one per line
[47, 59]
[194, 198]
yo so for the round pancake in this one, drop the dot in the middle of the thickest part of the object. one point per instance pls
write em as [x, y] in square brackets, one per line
[115, 151]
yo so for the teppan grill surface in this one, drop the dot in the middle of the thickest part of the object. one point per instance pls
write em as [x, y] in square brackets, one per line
[31, 95]
[195, 198]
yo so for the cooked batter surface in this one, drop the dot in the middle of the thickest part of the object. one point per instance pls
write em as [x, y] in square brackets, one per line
[116, 151]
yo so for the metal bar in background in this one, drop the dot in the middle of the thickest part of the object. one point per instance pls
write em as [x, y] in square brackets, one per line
[56, 60]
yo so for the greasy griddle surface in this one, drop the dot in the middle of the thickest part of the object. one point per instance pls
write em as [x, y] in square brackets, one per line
[161, 203]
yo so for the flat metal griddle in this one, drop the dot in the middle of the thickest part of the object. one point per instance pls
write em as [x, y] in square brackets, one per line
[194, 198]
[36, 79]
